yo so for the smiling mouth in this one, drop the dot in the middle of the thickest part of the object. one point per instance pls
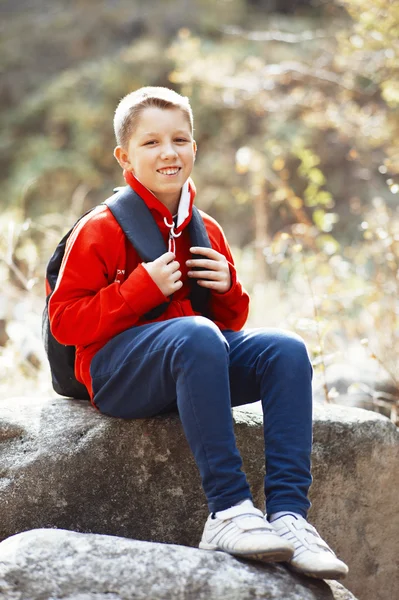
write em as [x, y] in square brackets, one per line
[169, 171]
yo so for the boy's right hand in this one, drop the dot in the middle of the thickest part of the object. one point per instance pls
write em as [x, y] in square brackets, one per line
[165, 273]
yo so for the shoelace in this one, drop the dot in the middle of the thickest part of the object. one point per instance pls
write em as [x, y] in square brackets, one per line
[172, 235]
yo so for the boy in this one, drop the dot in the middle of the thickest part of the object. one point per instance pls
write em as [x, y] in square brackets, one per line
[135, 365]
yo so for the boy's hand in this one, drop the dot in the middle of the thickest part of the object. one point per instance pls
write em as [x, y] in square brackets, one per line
[165, 273]
[213, 270]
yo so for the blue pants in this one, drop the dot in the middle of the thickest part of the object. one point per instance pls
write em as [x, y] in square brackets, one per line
[190, 364]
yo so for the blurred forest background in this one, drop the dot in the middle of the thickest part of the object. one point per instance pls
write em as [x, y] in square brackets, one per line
[296, 120]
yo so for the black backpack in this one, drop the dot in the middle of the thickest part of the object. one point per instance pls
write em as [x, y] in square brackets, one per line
[140, 228]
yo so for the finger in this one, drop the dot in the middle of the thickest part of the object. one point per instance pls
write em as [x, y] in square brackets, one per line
[209, 252]
[212, 285]
[173, 266]
[203, 263]
[211, 275]
[166, 258]
[176, 276]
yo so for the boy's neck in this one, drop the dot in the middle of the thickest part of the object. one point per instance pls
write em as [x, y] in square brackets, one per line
[170, 201]
[172, 204]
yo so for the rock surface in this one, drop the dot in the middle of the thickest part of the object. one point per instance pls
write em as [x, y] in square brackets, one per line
[49, 564]
[64, 465]
[359, 382]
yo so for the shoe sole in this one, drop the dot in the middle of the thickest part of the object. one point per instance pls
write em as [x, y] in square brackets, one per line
[321, 575]
[267, 556]
[276, 556]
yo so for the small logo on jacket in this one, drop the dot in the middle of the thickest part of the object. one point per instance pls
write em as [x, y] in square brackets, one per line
[118, 273]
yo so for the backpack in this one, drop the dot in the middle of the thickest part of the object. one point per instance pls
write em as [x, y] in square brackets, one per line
[139, 226]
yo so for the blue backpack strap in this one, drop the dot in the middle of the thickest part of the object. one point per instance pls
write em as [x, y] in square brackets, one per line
[130, 210]
[137, 222]
[198, 233]
[199, 296]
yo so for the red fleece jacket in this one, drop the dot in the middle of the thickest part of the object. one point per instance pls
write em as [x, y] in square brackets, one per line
[103, 289]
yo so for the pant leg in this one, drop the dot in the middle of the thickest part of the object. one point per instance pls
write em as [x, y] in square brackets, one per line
[144, 370]
[273, 366]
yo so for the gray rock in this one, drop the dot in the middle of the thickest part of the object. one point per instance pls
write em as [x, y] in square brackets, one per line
[361, 383]
[64, 465]
[49, 564]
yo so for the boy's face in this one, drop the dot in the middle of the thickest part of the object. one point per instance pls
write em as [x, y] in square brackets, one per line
[160, 153]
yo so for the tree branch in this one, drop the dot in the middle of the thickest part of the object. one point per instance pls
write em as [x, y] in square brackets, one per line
[277, 36]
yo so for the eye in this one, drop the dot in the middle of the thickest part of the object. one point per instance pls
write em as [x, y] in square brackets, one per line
[150, 143]
[181, 140]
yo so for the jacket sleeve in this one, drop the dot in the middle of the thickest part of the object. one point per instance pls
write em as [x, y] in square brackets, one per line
[86, 306]
[229, 310]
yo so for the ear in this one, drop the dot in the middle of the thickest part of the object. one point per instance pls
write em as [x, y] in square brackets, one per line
[195, 148]
[123, 158]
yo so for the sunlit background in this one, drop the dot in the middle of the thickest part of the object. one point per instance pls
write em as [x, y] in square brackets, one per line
[296, 120]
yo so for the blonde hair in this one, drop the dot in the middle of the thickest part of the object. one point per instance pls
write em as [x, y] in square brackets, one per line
[130, 107]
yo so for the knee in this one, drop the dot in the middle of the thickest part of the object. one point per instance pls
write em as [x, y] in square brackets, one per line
[291, 343]
[200, 334]
[290, 350]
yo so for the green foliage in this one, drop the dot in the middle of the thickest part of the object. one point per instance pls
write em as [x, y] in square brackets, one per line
[354, 290]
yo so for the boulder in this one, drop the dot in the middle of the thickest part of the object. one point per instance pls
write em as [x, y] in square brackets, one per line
[64, 465]
[359, 382]
[45, 564]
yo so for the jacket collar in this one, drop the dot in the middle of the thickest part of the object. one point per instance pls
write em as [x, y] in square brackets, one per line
[185, 203]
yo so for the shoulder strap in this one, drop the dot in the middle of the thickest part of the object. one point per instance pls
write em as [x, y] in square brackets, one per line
[137, 222]
[198, 233]
[200, 296]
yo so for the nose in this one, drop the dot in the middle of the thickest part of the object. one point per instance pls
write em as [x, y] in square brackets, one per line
[168, 151]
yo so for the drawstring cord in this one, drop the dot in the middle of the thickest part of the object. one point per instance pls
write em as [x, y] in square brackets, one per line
[172, 236]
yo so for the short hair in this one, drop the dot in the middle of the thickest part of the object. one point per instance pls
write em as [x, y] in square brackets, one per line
[130, 107]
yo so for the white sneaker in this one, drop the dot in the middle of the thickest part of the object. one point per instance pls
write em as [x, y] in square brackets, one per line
[312, 555]
[243, 531]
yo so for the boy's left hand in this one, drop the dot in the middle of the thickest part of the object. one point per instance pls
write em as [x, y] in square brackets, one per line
[213, 270]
